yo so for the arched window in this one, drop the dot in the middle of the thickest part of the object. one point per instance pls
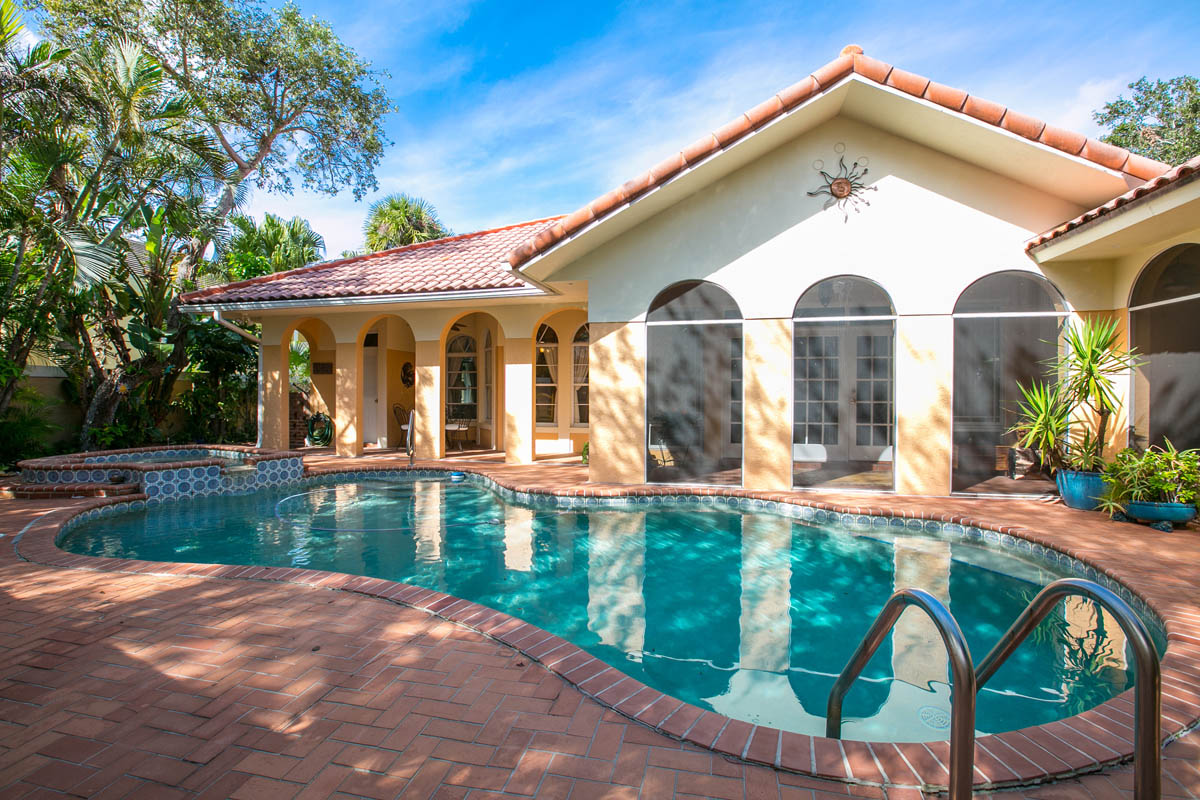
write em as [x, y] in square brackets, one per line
[694, 386]
[580, 360]
[1007, 327]
[843, 411]
[545, 376]
[462, 379]
[488, 366]
[1163, 310]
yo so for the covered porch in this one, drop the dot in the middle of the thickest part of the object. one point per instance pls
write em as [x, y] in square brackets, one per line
[510, 380]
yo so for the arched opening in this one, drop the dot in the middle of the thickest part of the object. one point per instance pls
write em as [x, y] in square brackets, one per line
[473, 397]
[843, 378]
[311, 357]
[694, 386]
[1007, 328]
[388, 380]
[1163, 310]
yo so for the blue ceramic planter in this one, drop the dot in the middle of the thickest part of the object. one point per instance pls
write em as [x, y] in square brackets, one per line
[1081, 490]
[1174, 513]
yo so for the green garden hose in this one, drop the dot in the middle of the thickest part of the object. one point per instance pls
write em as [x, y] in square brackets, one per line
[320, 429]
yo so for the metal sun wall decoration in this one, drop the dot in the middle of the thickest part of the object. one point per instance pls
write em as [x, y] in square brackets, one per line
[845, 189]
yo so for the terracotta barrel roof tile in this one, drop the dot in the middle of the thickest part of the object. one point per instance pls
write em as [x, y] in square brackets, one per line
[798, 92]
[1063, 139]
[472, 261]
[947, 96]
[834, 71]
[984, 110]
[907, 82]
[1022, 124]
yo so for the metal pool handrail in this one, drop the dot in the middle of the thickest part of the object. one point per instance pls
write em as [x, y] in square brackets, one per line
[962, 692]
[1147, 698]
[408, 444]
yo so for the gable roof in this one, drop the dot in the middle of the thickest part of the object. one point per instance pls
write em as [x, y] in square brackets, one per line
[1173, 177]
[851, 61]
[468, 262]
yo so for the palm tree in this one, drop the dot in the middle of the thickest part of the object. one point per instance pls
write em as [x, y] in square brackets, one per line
[398, 220]
[272, 246]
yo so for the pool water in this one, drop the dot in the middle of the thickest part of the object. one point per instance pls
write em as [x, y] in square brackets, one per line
[751, 615]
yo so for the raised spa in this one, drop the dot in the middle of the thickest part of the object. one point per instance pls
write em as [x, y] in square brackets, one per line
[751, 615]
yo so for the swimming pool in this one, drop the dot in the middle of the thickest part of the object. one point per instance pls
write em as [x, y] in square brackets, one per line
[751, 615]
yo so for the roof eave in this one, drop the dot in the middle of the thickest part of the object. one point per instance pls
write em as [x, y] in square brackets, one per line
[1074, 244]
[363, 300]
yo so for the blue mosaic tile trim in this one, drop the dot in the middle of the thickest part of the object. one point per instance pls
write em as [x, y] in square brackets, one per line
[291, 474]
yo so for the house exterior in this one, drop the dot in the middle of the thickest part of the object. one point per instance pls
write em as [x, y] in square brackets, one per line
[840, 288]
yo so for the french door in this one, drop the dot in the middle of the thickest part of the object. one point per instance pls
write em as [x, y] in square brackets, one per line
[843, 404]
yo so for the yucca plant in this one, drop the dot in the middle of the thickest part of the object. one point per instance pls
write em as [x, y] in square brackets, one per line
[1090, 360]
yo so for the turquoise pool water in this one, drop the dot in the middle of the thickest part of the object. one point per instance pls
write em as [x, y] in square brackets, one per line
[751, 615]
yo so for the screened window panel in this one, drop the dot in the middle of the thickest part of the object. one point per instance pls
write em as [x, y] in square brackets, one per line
[693, 397]
[1167, 385]
[844, 296]
[1010, 293]
[693, 301]
[1170, 276]
[991, 356]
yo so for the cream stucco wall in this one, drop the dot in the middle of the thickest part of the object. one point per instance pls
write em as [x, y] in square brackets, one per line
[618, 402]
[933, 226]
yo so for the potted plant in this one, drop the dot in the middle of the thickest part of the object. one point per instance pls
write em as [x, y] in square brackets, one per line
[1067, 421]
[1159, 485]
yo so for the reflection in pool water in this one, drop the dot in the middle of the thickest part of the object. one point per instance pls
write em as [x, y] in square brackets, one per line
[751, 615]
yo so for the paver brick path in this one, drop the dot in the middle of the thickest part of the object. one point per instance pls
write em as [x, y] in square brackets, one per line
[127, 685]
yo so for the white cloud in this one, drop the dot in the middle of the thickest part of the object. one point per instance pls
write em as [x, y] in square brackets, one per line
[547, 139]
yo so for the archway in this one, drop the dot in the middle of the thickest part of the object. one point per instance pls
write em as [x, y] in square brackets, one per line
[388, 380]
[843, 417]
[310, 355]
[1163, 310]
[694, 386]
[1007, 327]
[473, 397]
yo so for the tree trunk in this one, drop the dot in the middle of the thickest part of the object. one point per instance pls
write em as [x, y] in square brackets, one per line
[103, 408]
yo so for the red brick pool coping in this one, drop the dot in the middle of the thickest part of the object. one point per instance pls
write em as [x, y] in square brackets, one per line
[1074, 746]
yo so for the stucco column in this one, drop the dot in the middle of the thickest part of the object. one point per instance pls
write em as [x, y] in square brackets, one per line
[428, 441]
[518, 401]
[924, 384]
[617, 414]
[767, 418]
[348, 370]
[273, 378]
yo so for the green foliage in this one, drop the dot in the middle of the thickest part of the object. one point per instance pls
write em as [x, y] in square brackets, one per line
[24, 430]
[1092, 357]
[283, 95]
[1156, 475]
[275, 245]
[399, 220]
[221, 404]
[1160, 120]
[584, 454]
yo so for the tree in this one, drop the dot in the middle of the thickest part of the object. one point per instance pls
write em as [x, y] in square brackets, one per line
[273, 246]
[1161, 120]
[281, 94]
[398, 220]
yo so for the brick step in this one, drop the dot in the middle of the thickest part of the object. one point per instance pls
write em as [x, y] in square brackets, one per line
[34, 491]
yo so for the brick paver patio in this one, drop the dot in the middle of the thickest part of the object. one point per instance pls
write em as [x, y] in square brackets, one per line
[116, 684]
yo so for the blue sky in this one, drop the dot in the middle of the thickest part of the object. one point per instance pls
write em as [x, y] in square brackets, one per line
[515, 111]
